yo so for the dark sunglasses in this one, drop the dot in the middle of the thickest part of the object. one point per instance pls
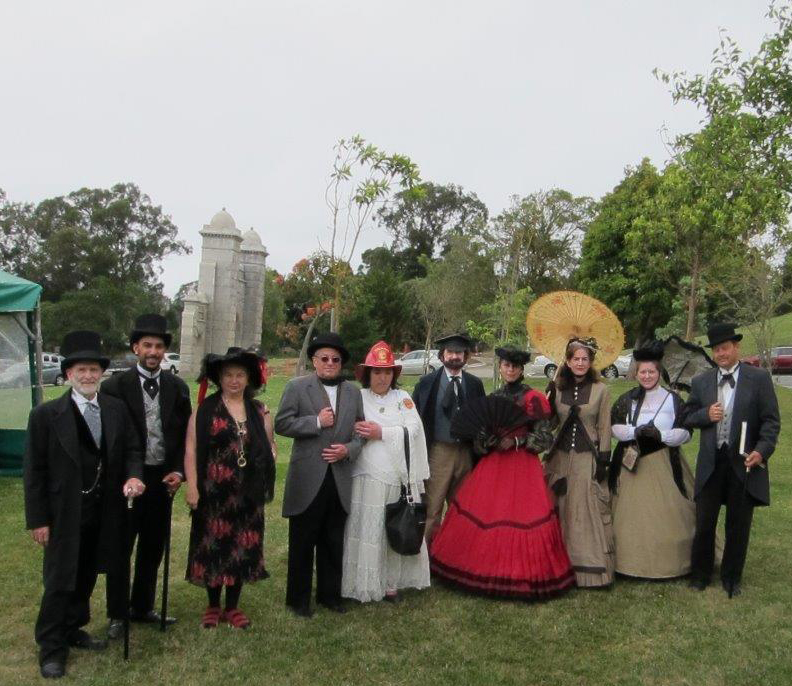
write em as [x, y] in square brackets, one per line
[327, 358]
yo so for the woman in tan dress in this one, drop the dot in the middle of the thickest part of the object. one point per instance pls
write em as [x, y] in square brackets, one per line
[577, 464]
[654, 515]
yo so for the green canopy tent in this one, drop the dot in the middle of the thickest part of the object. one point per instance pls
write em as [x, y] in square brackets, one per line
[20, 365]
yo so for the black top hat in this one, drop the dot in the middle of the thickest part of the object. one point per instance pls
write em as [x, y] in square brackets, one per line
[649, 352]
[212, 365]
[513, 354]
[455, 340]
[722, 332]
[328, 340]
[82, 346]
[150, 325]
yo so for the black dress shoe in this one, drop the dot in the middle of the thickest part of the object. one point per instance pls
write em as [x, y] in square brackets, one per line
[83, 640]
[53, 670]
[698, 584]
[733, 588]
[338, 607]
[115, 629]
[150, 617]
[394, 598]
[303, 611]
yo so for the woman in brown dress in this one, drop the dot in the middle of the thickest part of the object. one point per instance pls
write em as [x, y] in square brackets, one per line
[230, 469]
[577, 464]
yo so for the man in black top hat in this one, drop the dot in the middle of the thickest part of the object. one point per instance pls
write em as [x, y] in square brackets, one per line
[438, 396]
[319, 412]
[82, 459]
[736, 408]
[159, 404]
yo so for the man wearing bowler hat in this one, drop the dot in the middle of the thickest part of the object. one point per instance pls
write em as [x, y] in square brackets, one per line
[82, 459]
[159, 404]
[438, 396]
[736, 408]
[319, 412]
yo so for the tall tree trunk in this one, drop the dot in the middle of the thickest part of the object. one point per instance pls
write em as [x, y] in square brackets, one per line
[335, 314]
[695, 276]
[426, 345]
[303, 359]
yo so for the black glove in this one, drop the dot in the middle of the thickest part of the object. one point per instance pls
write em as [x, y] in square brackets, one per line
[601, 473]
[648, 432]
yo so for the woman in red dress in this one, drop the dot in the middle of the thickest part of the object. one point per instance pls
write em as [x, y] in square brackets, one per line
[501, 535]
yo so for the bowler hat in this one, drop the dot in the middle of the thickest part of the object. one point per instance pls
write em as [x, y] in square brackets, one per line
[328, 340]
[513, 354]
[456, 340]
[82, 346]
[150, 325]
[212, 365]
[722, 332]
[380, 356]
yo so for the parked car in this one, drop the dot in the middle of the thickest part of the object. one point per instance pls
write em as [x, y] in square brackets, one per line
[51, 358]
[414, 362]
[51, 374]
[18, 375]
[780, 360]
[542, 365]
[121, 364]
[170, 363]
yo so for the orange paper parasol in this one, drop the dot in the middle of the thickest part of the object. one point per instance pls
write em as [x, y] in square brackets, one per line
[556, 317]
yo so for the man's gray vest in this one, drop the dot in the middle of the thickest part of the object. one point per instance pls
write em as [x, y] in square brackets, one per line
[724, 425]
[155, 439]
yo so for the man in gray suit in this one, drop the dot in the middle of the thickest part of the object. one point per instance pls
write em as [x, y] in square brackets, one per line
[319, 412]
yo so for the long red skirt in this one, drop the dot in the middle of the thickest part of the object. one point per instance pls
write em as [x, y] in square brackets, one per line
[501, 535]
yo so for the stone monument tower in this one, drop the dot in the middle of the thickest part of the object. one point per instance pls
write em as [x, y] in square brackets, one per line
[226, 307]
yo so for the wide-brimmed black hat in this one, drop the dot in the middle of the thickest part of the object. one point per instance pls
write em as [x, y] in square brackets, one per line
[150, 325]
[458, 340]
[513, 354]
[212, 365]
[328, 340]
[649, 352]
[82, 346]
[722, 332]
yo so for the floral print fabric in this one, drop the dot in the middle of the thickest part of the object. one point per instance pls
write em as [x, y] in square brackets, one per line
[227, 533]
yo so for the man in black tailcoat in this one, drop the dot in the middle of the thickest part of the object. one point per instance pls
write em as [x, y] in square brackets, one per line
[731, 469]
[438, 396]
[159, 404]
[82, 459]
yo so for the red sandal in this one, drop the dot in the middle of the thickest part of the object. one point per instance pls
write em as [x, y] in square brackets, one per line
[237, 619]
[211, 618]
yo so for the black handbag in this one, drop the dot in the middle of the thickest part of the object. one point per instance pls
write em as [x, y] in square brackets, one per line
[405, 520]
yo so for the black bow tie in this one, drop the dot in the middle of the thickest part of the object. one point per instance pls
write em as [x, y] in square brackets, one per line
[727, 378]
[151, 386]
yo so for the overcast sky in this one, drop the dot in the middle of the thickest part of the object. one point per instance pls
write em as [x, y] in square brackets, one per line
[238, 104]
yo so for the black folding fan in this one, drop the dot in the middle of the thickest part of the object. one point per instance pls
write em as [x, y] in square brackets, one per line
[493, 415]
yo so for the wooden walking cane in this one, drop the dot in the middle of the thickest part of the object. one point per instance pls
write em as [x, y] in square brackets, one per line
[127, 574]
[166, 564]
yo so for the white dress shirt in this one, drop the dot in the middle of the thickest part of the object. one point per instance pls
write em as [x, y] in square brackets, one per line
[727, 391]
[83, 402]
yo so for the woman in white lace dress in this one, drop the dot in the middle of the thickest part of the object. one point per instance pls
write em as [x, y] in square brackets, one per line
[372, 570]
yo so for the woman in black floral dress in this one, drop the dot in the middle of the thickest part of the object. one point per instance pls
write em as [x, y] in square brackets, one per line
[230, 470]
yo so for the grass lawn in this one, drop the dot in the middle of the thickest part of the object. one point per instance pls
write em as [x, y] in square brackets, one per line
[638, 633]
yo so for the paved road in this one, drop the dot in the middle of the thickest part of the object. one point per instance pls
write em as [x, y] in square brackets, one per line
[784, 380]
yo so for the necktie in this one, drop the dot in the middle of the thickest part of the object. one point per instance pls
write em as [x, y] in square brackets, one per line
[727, 378]
[93, 419]
[151, 387]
